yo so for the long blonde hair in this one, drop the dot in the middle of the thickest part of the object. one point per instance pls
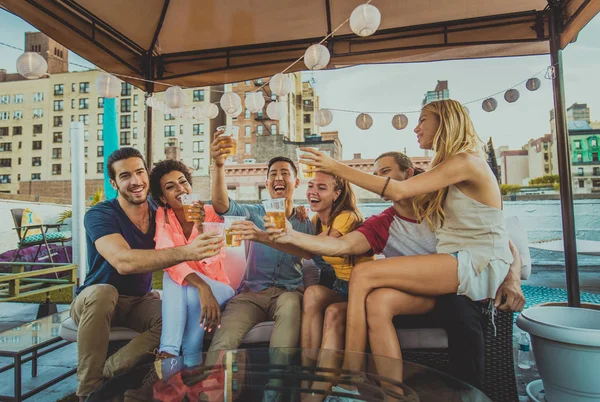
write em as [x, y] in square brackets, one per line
[455, 134]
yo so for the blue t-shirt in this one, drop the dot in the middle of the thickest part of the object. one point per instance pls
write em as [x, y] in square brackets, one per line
[107, 218]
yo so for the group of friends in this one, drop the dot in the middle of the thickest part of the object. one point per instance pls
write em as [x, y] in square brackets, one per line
[448, 260]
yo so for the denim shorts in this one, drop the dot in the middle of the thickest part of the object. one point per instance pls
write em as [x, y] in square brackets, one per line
[340, 287]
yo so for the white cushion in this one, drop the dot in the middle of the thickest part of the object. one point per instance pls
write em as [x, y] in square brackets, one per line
[68, 331]
[518, 234]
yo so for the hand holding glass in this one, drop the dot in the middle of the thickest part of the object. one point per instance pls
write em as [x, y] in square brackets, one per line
[275, 210]
[230, 132]
[232, 240]
[306, 172]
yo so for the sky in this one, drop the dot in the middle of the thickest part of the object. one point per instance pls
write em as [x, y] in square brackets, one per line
[401, 88]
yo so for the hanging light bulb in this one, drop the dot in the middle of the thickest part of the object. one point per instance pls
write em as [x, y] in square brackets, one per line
[230, 102]
[108, 86]
[323, 117]
[175, 97]
[316, 57]
[281, 84]
[32, 65]
[512, 95]
[276, 110]
[364, 121]
[399, 121]
[254, 101]
[365, 20]
[533, 84]
[489, 105]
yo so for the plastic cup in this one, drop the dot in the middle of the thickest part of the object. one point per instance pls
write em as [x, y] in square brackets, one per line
[305, 170]
[230, 239]
[232, 133]
[193, 211]
[275, 210]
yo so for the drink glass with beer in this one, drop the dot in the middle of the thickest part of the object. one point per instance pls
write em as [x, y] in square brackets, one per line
[232, 240]
[230, 132]
[192, 207]
[275, 210]
[306, 171]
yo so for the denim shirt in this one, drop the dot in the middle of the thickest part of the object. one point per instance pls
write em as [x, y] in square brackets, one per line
[265, 266]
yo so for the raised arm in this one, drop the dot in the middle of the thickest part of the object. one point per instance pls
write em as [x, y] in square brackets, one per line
[220, 198]
[354, 243]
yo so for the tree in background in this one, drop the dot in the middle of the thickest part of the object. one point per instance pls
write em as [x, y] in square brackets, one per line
[491, 159]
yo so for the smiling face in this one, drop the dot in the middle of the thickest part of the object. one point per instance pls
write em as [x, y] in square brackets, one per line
[173, 186]
[281, 180]
[426, 129]
[321, 192]
[131, 180]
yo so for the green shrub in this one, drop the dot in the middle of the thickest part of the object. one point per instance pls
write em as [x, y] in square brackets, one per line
[546, 179]
[508, 189]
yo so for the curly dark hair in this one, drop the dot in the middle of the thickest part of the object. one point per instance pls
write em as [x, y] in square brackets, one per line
[162, 168]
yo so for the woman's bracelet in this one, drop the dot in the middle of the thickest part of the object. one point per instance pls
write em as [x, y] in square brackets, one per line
[385, 186]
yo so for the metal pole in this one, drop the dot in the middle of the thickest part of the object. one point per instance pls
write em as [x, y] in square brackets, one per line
[78, 199]
[149, 73]
[564, 165]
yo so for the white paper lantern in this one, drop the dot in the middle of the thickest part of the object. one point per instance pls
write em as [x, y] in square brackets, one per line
[151, 102]
[533, 84]
[280, 84]
[399, 121]
[365, 20]
[32, 65]
[108, 86]
[230, 102]
[160, 105]
[187, 112]
[323, 117]
[254, 101]
[364, 121]
[512, 95]
[489, 105]
[175, 97]
[237, 112]
[316, 57]
[209, 110]
[276, 110]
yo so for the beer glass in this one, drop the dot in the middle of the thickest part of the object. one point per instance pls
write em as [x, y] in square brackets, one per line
[232, 133]
[230, 239]
[192, 209]
[275, 210]
[306, 171]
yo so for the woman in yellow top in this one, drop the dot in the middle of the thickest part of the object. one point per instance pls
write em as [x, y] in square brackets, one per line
[334, 202]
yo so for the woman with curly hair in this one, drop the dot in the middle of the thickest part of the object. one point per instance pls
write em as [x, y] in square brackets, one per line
[194, 291]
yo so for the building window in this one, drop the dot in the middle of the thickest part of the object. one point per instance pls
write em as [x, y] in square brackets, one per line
[198, 146]
[84, 103]
[248, 131]
[100, 135]
[307, 118]
[594, 156]
[85, 152]
[73, 87]
[273, 128]
[72, 103]
[36, 176]
[247, 114]
[84, 87]
[38, 97]
[4, 179]
[198, 95]
[169, 116]
[259, 130]
[579, 157]
[3, 131]
[273, 97]
[100, 103]
[125, 89]
[17, 130]
[5, 146]
[86, 135]
[56, 153]
[196, 163]
[59, 105]
[100, 118]
[198, 129]
[37, 128]
[125, 138]
[18, 114]
[5, 162]
[248, 148]
[577, 144]
[581, 183]
[100, 151]
[259, 114]
[4, 115]
[594, 142]
[18, 98]
[135, 133]
[126, 121]
[36, 145]
[580, 171]
[135, 116]
[248, 82]
[57, 121]
[4, 99]
[596, 171]
[135, 100]
[125, 105]
[57, 137]
[59, 89]
[84, 118]
[169, 131]
[38, 113]
[56, 169]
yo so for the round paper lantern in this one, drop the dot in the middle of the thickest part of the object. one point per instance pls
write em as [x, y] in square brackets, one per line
[512, 95]
[187, 112]
[316, 57]
[254, 101]
[364, 121]
[276, 110]
[32, 65]
[151, 101]
[108, 86]
[365, 20]
[399, 121]
[533, 84]
[206, 110]
[281, 84]
[237, 112]
[323, 117]
[230, 102]
[175, 97]
[489, 105]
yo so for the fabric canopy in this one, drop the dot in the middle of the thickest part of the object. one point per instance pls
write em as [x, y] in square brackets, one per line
[196, 43]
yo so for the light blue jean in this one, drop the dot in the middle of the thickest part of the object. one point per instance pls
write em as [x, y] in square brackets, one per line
[181, 313]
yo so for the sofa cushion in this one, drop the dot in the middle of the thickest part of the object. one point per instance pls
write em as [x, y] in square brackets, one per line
[68, 331]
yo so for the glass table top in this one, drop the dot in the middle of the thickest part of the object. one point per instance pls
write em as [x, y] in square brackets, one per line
[281, 375]
[18, 339]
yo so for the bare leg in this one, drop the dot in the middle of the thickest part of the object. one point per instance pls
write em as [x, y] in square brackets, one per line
[426, 275]
[382, 305]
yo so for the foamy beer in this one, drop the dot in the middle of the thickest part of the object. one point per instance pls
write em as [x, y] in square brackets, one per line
[232, 133]
[275, 210]
[306, 171]
[192, 209]
[232, 240]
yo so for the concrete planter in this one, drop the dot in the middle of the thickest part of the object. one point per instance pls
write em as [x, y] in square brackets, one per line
[566, 345]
